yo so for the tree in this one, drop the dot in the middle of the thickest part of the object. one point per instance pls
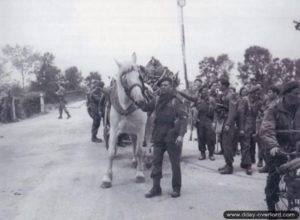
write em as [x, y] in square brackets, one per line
[92, 76]
[24, 59]
[297, 69]
[47, 78]
[256, 61]
[73, 78]
[297, 25]
[3, 75]
[212, 69]
[280, 71]
[224, 65]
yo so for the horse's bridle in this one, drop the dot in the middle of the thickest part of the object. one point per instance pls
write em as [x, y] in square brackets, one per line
[128, 88]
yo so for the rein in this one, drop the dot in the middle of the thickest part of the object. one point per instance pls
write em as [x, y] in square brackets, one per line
[129, 89]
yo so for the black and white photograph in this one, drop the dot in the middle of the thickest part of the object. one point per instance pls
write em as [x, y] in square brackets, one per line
[149, 109]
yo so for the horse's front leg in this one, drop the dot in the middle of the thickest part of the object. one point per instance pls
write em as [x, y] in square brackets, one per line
[108, 176]
[140, 177]
[134, 158]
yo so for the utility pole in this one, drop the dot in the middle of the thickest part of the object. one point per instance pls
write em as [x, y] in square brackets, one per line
[181, 4]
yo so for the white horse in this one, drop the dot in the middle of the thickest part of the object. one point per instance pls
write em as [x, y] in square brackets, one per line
[126, 117]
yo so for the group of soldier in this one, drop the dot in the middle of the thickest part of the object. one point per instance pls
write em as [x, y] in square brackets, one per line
[266, 118]
[232, 120]
[239, 122]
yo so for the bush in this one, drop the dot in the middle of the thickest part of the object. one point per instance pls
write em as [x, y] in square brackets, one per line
[31, 104]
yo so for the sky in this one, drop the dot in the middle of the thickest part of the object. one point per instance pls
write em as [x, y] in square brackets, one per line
[90, 34]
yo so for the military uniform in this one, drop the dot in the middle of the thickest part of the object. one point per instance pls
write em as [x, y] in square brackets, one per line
[170, 121]
[205, 133]
[227, 110]
[278, 117]
[95, 110]
[247, 112]
[62, 102]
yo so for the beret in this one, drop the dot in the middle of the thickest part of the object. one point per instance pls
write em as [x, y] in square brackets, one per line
[165, 79]
[289, 86]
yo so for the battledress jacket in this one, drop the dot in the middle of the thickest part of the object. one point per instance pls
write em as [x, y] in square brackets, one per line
[169, 122]
[226, 108]
[276, 118]
[247, 114]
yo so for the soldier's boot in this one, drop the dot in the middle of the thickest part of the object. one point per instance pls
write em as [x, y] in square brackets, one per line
[60, 117]
[96, 140]
[68, 114]
[175, 193]
[202, 156]
[260, 163]
[263, 169]
[156, 189]
[249, 170]
[211, 157]
[222, 168]
[271, 207]
[228, 169]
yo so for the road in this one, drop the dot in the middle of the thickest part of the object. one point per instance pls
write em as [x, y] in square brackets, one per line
[49, 169]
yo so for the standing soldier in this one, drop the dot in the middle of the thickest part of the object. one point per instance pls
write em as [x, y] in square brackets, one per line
[170, 124]
[248, 110]
[94, 108]
[193, 109]
[285, 115]
[271, 99]
[62, 102]
[226, 108]
[205, 132]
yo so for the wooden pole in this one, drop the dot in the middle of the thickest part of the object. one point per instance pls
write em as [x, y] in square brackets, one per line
[183, 48]
[13, 109]
[42, 103]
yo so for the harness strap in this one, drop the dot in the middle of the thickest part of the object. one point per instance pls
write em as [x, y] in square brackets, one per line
[117, 106]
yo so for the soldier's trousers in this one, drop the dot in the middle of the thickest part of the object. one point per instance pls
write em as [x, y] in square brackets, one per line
[96, 120]
[206, 136]
[273, 179]
[61, 108]
[261, 153]
[95, 126]
[174, 152]
[252, 148]
[246, 153]
[228, 145]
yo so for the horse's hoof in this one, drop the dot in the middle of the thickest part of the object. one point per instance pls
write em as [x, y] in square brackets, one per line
[140, 179]
[105, 185]
[134, 164]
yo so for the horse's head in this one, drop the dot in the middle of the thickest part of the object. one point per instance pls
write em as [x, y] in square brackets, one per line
[131, 80]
